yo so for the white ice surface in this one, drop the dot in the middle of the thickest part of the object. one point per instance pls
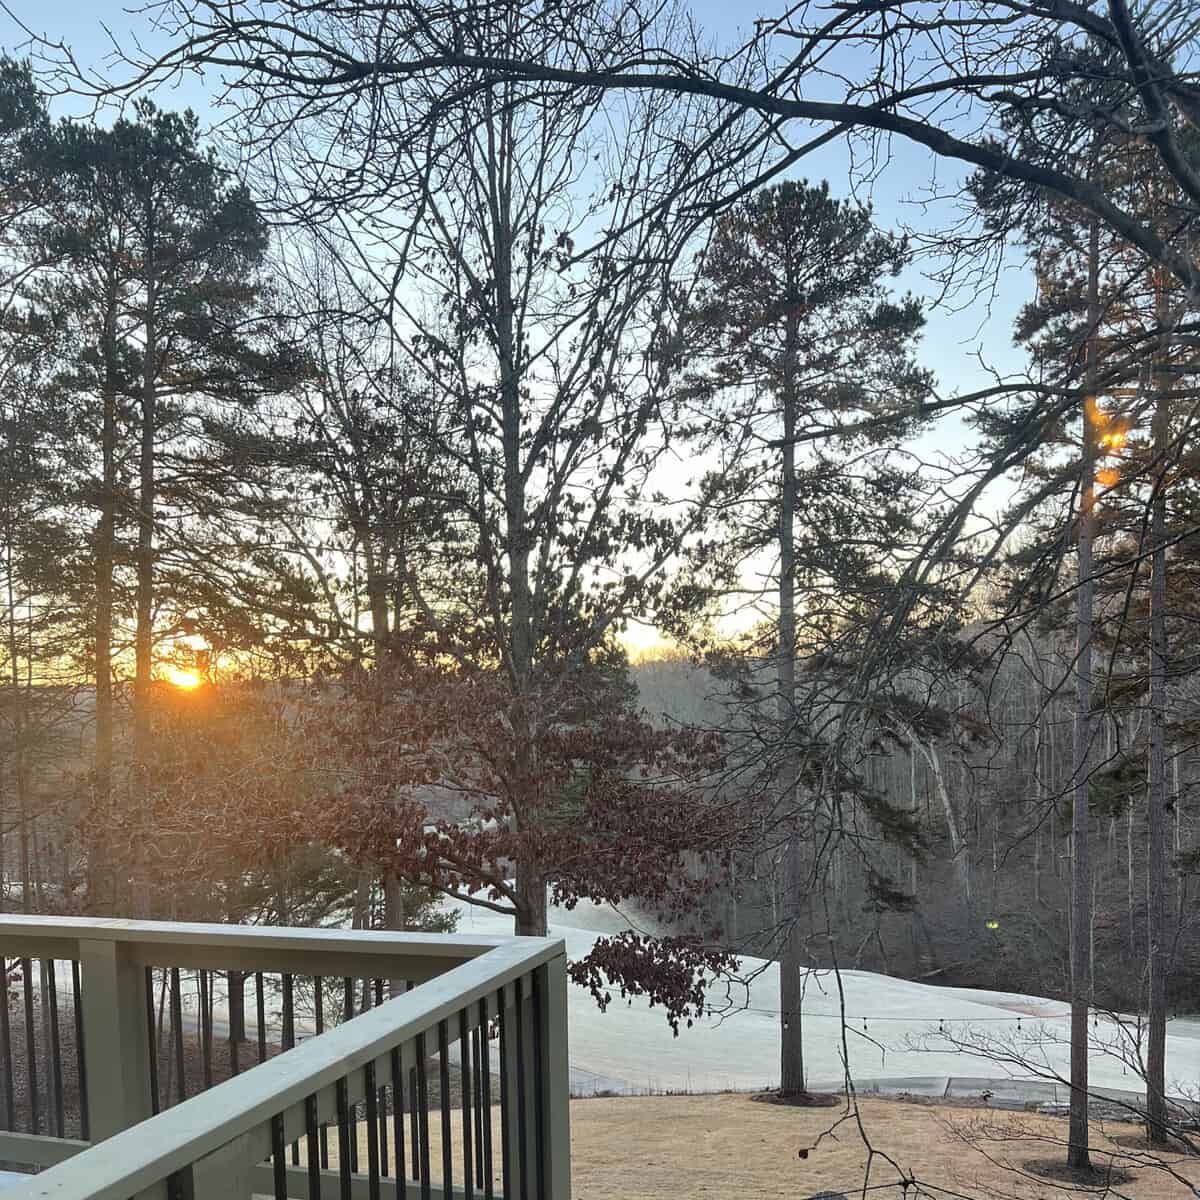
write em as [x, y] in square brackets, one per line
[894, 1029]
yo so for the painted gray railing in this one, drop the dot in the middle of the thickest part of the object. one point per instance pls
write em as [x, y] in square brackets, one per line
[347, 1112]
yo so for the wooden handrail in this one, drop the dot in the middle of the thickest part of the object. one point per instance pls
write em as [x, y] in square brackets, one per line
[238, 1112]
[22, 936]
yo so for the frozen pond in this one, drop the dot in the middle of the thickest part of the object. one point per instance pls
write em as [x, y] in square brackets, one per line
[893, 1029]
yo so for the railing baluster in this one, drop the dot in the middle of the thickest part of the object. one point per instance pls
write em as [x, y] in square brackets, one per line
[477, 1103]
[60, 1115]
[343, 1117]
[316, 1161]
[383, 1123]
[278, 1162]
[522, 1086]
[31, 1048]
[506, 1088]
[414, 1124]
[80, 1058]
[287, 1036]
[443, 1037]
[372, 1098]
[260, 1012]
[539, 1105]
[485, 1092]
[466, 1101]
[398, 1122]
[423, 1118]
[319, 1004]
[151, 1040]
[347, 1015]
[10, 1105]
[177, 1034]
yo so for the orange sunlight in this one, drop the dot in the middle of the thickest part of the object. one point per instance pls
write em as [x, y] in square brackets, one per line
[181, 679]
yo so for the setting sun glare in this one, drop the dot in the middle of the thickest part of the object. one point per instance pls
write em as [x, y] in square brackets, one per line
[182, 679]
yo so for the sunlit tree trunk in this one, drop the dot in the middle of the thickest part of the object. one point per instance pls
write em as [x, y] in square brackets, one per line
[1081, 874]
[144, 632]
[20, 751]
[100, 878]
[1156, 792]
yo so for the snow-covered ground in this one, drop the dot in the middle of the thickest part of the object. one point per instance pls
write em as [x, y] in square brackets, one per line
[893, 1029]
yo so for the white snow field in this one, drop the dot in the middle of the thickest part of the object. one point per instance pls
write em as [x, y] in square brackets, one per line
[895, 1030]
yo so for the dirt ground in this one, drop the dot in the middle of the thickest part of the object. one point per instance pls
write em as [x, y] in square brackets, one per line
[693, 1147]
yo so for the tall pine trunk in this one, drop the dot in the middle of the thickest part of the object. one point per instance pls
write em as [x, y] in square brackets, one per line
[1156, 791]
[791, 1040]
[144, 632]
[20, 751]
[1081, 872]
[100, 897]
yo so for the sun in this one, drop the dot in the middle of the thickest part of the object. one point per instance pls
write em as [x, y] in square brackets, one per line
[182, 679]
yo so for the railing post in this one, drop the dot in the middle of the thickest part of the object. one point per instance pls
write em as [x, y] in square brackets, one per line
[225, 1174]
[116, 1037]
[554, 1075]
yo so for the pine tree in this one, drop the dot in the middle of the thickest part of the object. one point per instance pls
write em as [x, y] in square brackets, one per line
[805, 337]
[152, 251]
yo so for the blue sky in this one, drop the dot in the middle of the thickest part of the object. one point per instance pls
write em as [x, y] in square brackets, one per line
[955, 338]
[956, 342]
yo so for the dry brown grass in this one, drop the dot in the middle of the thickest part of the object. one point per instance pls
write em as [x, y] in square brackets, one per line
[704, 1147]
[693, 1147]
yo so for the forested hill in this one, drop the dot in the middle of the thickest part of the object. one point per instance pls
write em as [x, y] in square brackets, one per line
[995, 783]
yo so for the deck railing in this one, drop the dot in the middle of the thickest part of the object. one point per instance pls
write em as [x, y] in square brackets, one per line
[383, 1065]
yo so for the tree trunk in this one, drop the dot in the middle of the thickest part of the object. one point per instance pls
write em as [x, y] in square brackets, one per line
[20, 749]
[1156, 791]
[1081, 889]
[360, 917]
[143, 634]
[531, 920]
[531, 916]
[100, 897]
[791, 989]
[394, 919]
[377, 597]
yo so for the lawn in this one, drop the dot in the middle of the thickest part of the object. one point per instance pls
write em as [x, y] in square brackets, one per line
[685, 1147]
[701, 1147]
